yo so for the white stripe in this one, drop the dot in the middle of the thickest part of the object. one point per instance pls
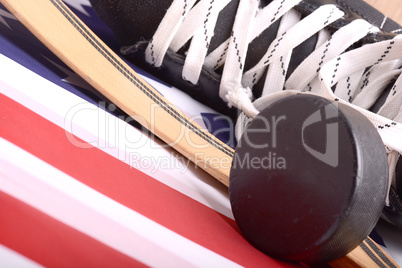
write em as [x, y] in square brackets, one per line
[383, 22]
[110, 134]
[11, 259]
[53, 192]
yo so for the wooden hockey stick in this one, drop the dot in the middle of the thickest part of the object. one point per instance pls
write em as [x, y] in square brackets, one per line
[74, 43]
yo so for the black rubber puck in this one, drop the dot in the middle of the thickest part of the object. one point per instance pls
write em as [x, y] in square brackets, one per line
[308, 180]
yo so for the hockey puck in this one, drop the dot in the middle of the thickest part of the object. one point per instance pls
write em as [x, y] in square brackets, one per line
[308, 180]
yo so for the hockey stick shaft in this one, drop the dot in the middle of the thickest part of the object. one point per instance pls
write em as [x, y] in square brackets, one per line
[70, 39]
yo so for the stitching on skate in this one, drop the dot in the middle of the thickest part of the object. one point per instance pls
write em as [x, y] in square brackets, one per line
[237, 51]
[277, 12]
[324, 54]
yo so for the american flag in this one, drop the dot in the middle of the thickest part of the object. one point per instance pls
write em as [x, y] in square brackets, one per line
[81, 185]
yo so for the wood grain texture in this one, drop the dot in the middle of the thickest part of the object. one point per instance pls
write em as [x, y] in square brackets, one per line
[390, 8]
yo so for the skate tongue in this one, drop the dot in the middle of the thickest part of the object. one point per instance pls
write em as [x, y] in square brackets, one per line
[131, 20]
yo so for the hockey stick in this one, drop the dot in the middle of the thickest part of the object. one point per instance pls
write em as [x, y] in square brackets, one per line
[62, 32]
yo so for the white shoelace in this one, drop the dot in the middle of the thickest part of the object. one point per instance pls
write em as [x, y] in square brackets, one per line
[359, 76]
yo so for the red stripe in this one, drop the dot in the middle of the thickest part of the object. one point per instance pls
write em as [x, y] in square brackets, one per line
[128, 186]
[50, 242]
